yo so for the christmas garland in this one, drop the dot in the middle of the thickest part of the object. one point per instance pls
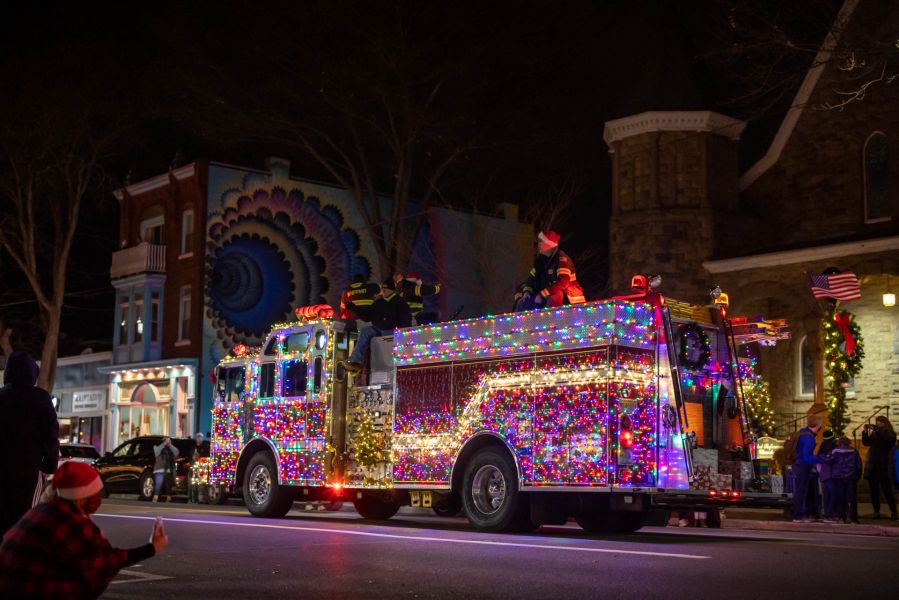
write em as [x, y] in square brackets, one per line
[843, 354]
[705, 348]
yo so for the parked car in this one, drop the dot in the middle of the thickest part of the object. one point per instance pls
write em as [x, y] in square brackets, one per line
[129, 468]
[78, 452]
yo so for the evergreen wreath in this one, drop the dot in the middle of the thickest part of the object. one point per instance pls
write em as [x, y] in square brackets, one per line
[840, 365]
[694, 331]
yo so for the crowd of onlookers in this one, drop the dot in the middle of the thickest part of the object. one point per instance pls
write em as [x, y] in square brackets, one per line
[825, 481]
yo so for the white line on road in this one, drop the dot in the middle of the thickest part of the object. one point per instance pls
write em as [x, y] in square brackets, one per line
[418, 538]
[139, 576]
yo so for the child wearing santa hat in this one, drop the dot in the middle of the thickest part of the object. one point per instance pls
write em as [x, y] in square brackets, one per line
[55, 550]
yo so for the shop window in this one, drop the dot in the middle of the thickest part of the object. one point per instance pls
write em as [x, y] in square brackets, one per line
[293, 381]
[267, 380]
[187, 231]
[879, 205]
[184, 313]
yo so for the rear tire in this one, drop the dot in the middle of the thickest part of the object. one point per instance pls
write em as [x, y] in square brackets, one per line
[490, 494]
[376, 506]
[145, 486]
[261, 492]
[447, 506]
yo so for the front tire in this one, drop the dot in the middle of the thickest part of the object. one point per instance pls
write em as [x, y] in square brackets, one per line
[146, 486]
[261, 492]
[490, 495]
[377, 506]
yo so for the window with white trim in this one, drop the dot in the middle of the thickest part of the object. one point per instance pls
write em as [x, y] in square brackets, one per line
[187, 231]
[184, 313]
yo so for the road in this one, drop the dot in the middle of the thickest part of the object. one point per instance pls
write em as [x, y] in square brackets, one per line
[223, 552]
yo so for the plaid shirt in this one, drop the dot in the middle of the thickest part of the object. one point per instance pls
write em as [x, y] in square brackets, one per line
[56, 551]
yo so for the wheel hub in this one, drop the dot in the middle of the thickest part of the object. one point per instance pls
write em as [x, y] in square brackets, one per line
[149, 486]
[260, 485]
[488, 489]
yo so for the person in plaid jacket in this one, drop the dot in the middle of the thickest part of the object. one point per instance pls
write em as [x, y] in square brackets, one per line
[55, 550]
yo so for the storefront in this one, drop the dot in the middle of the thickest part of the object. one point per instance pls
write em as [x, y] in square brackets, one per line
[80, 396]
[155, 398]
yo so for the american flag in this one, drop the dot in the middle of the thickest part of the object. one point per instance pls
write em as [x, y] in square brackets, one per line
[840, 286]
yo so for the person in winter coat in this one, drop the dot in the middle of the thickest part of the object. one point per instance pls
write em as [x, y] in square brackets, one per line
[388, 312]
[29, 446]
[164, 468]
[803, 511]
[357, 300]
[411, 288]
[880, 438]
[552, 281]
[56, 551]
[845, 470]
[828, 443]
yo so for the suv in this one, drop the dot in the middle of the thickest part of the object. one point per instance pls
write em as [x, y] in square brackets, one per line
[129, 468]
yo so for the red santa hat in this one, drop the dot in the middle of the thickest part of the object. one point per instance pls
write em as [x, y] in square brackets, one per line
[76, 480]
[550, 238]
[413, 276]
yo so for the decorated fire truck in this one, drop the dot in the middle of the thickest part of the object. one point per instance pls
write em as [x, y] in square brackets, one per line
[604, 412]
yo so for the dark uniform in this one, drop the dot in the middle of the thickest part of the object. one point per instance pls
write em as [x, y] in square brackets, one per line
[414, 292]
[554, 279]
[357, 300]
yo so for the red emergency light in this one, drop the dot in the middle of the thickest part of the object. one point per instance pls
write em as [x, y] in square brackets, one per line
[240, 350]
[315, 311]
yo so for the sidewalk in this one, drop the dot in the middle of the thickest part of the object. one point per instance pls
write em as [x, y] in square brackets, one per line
[764, 519]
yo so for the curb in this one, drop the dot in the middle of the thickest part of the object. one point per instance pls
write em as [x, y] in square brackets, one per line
[838, 528]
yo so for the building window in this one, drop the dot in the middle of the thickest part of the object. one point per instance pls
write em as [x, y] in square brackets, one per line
[154, 317]
[123, 323]
[878, 192]
[806, 370]
[187, 231]
[152, 230]
[184, 313]
[138, 320]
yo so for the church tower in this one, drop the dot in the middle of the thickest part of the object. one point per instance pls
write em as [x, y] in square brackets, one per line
[674, 197]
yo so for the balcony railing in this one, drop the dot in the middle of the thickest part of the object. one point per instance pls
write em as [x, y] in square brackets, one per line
[143, 258]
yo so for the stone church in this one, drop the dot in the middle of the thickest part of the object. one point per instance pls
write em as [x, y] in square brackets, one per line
[823, 195]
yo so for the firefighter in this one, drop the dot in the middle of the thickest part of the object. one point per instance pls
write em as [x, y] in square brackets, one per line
[413, 291]
[388, 312]
[356, 301]
[552, 281]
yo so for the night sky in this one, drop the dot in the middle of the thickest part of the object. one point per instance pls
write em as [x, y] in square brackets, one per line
[527, 86]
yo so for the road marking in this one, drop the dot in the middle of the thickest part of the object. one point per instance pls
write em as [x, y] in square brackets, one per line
[419, 538]
[138, 577]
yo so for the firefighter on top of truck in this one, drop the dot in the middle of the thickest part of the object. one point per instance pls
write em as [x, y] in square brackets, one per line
[552, 281]
[357, 300]
[388, 312]
[413, 291]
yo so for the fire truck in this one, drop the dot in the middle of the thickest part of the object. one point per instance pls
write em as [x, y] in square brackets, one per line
[599, 411]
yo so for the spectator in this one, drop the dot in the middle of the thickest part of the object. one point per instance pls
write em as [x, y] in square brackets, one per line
[29, 449]
[804, 510]
[56, 551]
[880, 438]
[194, 487]
[845, 471]
[164, 469]
[828, 443]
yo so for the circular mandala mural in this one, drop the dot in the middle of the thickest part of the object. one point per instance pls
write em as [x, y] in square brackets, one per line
[269, 252]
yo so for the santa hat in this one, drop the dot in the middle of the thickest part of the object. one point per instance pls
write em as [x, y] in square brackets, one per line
[413, 276]
[550, 238]
[76, 480]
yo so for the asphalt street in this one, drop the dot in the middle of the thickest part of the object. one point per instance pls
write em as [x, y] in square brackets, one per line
[223, 552]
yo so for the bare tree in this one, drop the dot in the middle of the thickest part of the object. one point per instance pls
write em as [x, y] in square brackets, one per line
[49, 165]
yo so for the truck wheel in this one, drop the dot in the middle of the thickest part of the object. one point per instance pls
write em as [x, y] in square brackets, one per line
[145, 486]
[261, 492]
[376, 506]
[490, 494]
[216, 494]
[612, 522]
[447, 506]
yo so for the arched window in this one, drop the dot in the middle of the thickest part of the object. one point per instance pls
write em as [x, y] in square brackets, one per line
[878, 192]
[806, 371]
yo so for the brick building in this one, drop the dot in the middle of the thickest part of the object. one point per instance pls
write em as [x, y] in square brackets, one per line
[213, 255]
[824, 194]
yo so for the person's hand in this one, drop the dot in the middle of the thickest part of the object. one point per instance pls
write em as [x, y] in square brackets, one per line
[159, 539]
[538, 299]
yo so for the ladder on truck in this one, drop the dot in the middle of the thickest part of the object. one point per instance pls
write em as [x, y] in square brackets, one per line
[678, 394]
[734, 360]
